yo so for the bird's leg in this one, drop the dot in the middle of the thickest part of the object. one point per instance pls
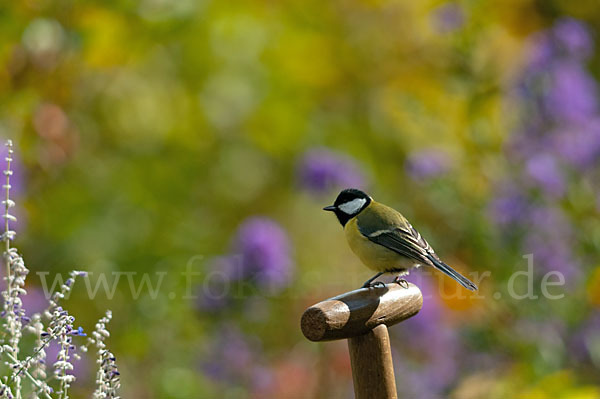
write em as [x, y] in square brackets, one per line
[367, 283]
[401, 282]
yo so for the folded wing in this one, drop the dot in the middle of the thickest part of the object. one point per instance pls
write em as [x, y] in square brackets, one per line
[406, 241]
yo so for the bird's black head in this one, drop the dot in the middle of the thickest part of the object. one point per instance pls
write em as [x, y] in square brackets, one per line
[349, 203]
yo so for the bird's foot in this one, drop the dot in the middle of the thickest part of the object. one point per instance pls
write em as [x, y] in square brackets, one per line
[368, 284]
[401, 282]
[376, 284]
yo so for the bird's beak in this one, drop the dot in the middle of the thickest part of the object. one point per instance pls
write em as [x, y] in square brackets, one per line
[329, 208]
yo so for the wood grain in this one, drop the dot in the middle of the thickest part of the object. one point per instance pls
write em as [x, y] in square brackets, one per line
[372, 367]
[357, 312]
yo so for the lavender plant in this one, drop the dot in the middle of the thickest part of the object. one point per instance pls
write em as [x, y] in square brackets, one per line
[554, 152]
[28, 375]
[321, 171]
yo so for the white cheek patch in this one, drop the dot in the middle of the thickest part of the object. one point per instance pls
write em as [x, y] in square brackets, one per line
[353, 206]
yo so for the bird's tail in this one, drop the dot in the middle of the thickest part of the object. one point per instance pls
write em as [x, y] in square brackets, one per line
[441, 266]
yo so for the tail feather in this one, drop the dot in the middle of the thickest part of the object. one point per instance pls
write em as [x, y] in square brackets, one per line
[441, 266]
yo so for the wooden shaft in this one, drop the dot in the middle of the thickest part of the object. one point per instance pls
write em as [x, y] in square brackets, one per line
[357, 312]
[363, 316]
[372, 367]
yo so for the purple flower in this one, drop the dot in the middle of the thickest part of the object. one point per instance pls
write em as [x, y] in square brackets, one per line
[264, 248]
[573, 37]
[213, 295]
[572, 93]
[550, 220]
[562, 129]
[235, 348]
[568, 39]
[448, 17]
[415, 383]
[79, 332]
[549, 239]
[545, 172]
[81, 369]
[509, 206]
[207, 301]
[552, 255]
[541, 51]
[234, 357]
[556, 77]
[261, 256]
[579, 145]
[526, 143]
[434, 346]
[427, 164]
[321, 171]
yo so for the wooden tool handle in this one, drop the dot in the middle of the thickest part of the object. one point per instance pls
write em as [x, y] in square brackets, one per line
[360, 311]
[372, 366]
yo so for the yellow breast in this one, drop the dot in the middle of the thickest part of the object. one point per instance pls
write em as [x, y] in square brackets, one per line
[374, 256]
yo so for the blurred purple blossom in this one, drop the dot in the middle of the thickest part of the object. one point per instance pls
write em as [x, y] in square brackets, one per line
[546, 173]
[551, 220]
[321, 170]
[427, 164]
[448, 17]
[213, 295]
[552, 255]
[572, 92]
[231, 353]
[207, 301]
[509, 206]
[81, 369]
[560, 130]
[541, 51]
[550, 240]
[525, 143]
[579, 145]
[574, 37]
[557, 78]
[265, 252]
[434, 347]
[261, 254]
[235, 359]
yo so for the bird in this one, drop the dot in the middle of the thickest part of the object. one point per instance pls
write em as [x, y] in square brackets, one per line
[384, 240]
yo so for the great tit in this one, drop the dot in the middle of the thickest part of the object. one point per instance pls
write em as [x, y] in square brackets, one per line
[383, 239]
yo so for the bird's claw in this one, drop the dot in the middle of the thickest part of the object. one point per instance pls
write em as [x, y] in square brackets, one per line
[401, 282]
[374, 285]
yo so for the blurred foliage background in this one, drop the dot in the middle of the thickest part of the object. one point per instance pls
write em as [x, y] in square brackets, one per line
[160, 136]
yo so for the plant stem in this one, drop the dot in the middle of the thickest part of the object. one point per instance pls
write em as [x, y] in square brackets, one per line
[7, 172]
[33, 380]
[44, 345]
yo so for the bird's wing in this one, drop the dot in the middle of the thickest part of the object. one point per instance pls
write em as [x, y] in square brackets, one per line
[398, 235]
[391, 230]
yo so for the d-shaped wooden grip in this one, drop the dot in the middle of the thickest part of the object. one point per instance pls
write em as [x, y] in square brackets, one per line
[357, 312]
